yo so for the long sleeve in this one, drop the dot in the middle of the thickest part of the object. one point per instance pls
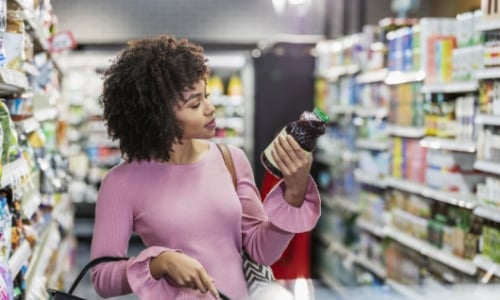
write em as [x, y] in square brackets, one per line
[268, 227]
[112, 231]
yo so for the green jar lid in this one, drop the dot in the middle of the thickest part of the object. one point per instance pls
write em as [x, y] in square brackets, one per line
[320, 114]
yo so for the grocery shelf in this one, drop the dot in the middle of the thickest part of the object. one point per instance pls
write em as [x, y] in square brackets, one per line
[341, 109]
[12, 82]
[48, 241]
[487, 166]
[448, 144]
[339, 201]
[405, 291]
[370, 227]
[401, 77]
[237, 141]
[13, 171]
[28, 125]
[372, 144]
[426, 249]
[46, 114]
[487, 73]
[329, 159]
[374, 112]
[334, 73]
[351, 257]
[369, 180]
[333, 284]
[466, 201]
[62, 254]
[484, 263]
[451, 87]
[489, 23]
[372, 76]
[488, 212]
[405, 131]
[19, 258]
[226, 100]
[374, 267]
[31, 204]
[488, 119]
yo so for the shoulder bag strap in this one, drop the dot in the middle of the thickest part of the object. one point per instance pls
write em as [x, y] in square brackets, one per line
[228, 160]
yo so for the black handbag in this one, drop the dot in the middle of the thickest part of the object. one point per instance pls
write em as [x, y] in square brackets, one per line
[61, 295]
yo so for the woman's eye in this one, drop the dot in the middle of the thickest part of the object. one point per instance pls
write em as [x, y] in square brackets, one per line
[195, 106]
[207, 95]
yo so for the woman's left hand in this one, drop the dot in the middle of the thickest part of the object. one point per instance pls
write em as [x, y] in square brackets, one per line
[295, 165]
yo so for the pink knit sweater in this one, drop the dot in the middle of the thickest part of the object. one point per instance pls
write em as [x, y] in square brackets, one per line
[194, 209]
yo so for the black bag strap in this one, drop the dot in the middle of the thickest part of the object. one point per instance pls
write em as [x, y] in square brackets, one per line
[89, 265]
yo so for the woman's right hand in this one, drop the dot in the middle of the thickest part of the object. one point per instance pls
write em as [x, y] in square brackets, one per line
[182, 271]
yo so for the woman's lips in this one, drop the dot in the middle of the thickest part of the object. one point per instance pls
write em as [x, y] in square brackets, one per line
[211, 125]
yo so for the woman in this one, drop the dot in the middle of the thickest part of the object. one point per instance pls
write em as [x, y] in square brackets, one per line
[174, 190]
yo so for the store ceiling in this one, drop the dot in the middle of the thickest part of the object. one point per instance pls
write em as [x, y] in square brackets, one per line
[211, 21]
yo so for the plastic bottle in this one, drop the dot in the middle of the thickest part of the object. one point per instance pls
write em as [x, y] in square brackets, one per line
[305, 131]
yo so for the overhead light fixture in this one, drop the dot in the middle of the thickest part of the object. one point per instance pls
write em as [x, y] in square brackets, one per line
[279, 6]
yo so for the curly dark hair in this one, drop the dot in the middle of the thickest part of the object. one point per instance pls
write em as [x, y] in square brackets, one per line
[141, 89]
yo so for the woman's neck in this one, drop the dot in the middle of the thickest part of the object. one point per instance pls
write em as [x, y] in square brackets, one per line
[188, 152]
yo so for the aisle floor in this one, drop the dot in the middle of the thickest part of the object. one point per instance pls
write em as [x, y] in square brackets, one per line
[86, 290]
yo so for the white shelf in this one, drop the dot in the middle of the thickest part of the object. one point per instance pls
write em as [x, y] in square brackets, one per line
[46, 114]
[237, 141]
[335, 247]
[31, 204]
[333, 284]
[400, 77]
[341, 202]
[448, 144]
[46, 244]
[488, 119]
[374, 267]
[372, 76]
[487, 73]
[451, 87]
[484, 263]
[370, 227]
[372, 145]
[13, 172]
[488, 23]
[468, 201]
[369, 180]
[426, 249]
[334, 73]
[331, 159]
[19, 258]
[339, 109]
[487, 166]
[376, 112]
[28, 125]
[12, 82]
[488, 212]
[225, 100]
[405, 291]
[405, 131]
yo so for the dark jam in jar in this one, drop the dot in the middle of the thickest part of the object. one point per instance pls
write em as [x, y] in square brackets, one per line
[305, 131]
